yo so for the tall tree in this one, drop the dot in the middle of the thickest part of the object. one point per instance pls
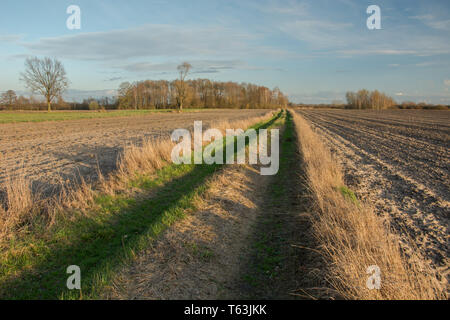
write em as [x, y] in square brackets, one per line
[45, 76]
[183, 70]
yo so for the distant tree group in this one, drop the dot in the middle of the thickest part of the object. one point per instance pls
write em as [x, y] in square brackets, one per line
[422, 105]
[32, 103]
[199, 93]
[9, 98]
[364, 99]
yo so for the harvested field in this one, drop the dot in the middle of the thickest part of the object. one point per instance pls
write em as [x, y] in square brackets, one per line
[50, 152]
[399, 161]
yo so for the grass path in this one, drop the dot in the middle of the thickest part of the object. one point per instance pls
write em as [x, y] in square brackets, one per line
[278, 265]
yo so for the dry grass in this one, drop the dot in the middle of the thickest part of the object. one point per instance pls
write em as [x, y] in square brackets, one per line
[18, 209]
[152, 155]
[20, 205]
[352, 237]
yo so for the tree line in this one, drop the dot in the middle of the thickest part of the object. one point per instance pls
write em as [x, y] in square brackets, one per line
[365, 99]
[199, 93]
[47, 77]
[10, 101]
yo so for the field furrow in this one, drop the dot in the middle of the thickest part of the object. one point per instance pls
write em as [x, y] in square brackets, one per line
[400, 162]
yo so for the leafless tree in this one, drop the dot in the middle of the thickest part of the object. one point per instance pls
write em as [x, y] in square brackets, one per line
[45, 76]
[183, 69]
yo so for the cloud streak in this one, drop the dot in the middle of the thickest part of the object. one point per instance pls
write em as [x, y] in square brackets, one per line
[433, 22]
[146, 41]
[198, 66]
[10, 37]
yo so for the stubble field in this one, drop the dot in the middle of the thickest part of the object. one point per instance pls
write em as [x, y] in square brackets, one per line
[48, 153]
[399, 161]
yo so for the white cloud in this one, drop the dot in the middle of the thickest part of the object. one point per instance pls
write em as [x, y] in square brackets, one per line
[317, 33]
[10, 37]
[433, 22]
[147, 41]
[426, 64]
[290, 8]
[317, 97]
[198, 66]
[377, 51]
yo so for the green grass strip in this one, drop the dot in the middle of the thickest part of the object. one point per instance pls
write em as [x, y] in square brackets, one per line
[36, 116]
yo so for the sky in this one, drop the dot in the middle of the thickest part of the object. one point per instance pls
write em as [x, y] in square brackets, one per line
[314, 51]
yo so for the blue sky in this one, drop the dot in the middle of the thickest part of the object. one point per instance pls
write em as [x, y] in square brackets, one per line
[314, 51]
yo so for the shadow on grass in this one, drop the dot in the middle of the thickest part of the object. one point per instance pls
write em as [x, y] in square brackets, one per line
[104, 243]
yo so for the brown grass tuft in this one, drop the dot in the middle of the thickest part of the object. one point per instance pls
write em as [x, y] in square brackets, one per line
[152, 155]
[352, 237]
[18, 204]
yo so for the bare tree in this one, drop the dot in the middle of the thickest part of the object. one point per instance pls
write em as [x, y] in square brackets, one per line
[183, 69]
[45, 76]
[9, 98]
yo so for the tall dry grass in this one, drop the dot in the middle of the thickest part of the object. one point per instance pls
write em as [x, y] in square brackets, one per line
[352, 237]
[19, 207]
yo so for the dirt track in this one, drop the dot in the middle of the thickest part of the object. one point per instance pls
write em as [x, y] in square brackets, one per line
[400, 161]
[50, 151]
